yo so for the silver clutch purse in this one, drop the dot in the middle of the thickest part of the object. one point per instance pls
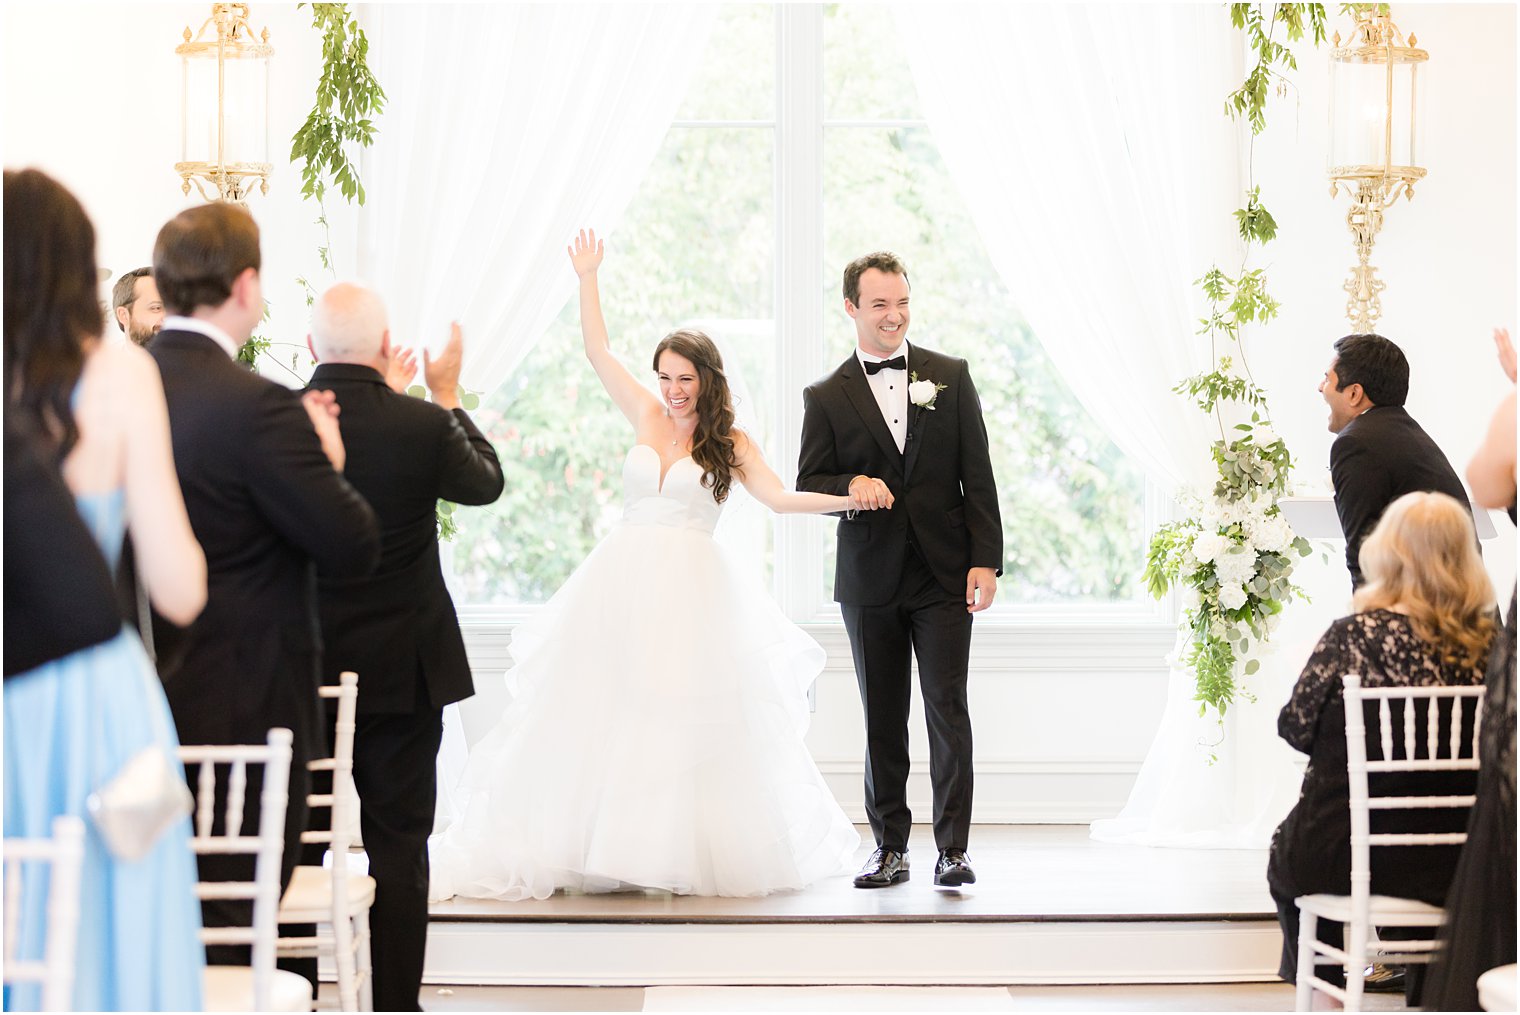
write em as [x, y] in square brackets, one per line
[139, 803]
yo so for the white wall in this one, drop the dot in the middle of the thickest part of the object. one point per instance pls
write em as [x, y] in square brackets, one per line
[91, 95]
[1448, 256]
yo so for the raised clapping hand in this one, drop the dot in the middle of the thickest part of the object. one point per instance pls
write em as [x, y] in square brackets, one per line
[322, 409]
[1506, 352]
[586, 252]
[867, 494]
[442, 374]
[402, 369]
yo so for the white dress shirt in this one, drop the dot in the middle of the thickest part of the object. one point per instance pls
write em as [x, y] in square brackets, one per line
[891, 390]
[176, 323]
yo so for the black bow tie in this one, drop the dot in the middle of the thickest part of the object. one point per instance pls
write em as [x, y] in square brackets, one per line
[896, 363]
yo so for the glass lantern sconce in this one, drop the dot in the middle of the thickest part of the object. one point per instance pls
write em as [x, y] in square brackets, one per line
[224, 106]
[1375, 117]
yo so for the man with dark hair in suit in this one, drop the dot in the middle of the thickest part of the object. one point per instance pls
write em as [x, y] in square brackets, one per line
[900, 427]
[1380, 453]
[260, 467]
[396, 627]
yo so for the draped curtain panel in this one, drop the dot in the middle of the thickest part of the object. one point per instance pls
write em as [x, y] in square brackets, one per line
[1091, 145]
[506, 129]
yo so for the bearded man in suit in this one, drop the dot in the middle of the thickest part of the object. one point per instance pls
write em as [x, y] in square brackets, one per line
[397, 627]
[899, 427]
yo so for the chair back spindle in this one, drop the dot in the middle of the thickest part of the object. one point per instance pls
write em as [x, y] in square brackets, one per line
[57, 863]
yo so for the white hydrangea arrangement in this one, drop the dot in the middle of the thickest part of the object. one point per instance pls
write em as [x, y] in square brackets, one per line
[1235, 554]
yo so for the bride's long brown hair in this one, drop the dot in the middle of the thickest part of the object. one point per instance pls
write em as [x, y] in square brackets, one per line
[712, 445]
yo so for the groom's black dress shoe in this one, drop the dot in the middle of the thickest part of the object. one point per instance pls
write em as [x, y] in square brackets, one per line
[886, 867]
[953, 869]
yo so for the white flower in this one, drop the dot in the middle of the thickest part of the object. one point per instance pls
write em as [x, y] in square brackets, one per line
[923, 393]
[1211, 513]
[1269, 534]
[1236, 566]
[1209, 545]
[1264, 435]
[1232, 596]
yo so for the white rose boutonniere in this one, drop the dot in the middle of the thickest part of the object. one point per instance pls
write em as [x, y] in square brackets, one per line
[923, 393]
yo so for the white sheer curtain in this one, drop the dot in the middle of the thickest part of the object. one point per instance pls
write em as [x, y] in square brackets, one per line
[1091, 144]
[506, 129]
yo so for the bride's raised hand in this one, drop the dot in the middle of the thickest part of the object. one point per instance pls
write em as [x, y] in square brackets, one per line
[635, 401]
[586, 252]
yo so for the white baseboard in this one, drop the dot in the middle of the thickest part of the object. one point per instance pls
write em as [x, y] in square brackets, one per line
[1007, 793]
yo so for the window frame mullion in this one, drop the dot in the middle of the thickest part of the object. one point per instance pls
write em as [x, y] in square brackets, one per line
[799, 297]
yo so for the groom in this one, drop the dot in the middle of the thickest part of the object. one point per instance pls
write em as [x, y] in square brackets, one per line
[910, 577]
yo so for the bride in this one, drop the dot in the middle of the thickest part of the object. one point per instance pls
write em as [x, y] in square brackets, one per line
[654, 737]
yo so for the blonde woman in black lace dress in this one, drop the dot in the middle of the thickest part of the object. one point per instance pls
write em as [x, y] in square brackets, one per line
[1426, 616]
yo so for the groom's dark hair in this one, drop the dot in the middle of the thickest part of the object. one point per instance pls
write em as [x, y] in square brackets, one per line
[882, 260]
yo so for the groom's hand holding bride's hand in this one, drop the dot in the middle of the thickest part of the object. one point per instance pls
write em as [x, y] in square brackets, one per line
[867, 494]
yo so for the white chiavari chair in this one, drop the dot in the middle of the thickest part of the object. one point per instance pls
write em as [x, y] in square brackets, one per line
[258, 986]
[333, 895]
[1446, 740]
[59, 861]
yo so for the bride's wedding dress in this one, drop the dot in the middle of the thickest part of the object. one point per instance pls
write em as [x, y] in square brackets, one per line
[654, 736]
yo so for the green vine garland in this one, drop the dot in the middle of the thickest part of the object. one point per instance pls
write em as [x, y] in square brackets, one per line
[1234, 552]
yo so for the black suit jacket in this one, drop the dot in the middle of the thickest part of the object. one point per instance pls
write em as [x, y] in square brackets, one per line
[1376, 459]
[397, 626]
[944, 491]
[265, 504]
[58, 596]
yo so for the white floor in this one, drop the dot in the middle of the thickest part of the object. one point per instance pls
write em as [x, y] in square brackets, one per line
[1120, 998]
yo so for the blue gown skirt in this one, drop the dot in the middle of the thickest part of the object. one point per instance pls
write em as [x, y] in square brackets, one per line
[70, 725]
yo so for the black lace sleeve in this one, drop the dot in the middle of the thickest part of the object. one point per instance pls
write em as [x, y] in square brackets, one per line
[1316, 684]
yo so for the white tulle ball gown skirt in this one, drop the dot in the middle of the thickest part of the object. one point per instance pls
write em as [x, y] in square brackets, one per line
[654, 739]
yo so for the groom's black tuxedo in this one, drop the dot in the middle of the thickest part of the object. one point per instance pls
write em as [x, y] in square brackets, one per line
[901, 574]
[942, 481]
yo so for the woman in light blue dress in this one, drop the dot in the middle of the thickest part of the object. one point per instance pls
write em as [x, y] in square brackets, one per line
[71, 724]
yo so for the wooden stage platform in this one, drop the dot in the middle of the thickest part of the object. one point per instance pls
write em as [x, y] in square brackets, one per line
[1051, 906]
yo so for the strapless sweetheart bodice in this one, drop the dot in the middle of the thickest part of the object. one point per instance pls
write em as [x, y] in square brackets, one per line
[680, 502]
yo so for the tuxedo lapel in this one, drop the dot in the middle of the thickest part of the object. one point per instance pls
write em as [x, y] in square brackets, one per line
[918, 418]
[858, 390]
